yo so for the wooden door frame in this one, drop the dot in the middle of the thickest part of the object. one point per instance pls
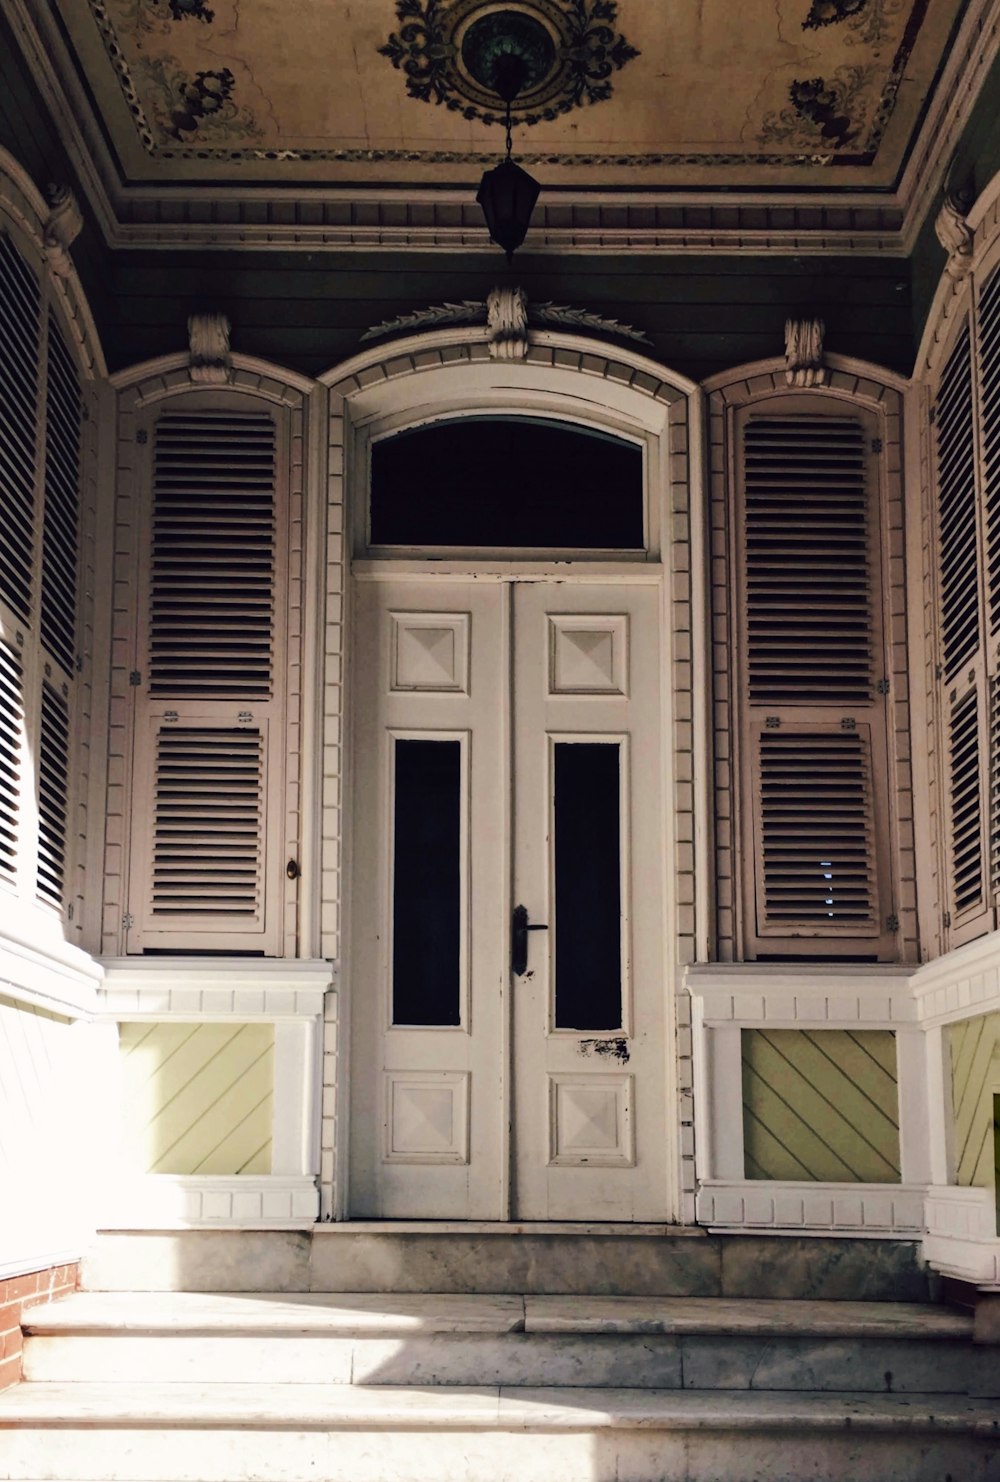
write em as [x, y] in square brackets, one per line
[427, 378]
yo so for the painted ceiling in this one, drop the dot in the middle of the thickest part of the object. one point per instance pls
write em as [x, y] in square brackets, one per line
[643, 94]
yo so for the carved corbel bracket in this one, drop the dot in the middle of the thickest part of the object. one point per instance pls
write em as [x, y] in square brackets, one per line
[507, 323]
[208, 336]
[953, 229]
[62, 227]
[804, 352]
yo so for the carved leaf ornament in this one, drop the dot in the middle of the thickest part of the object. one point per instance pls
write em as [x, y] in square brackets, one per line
[507, 315]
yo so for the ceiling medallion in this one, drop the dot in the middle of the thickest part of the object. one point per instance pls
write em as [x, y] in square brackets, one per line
[456, 52]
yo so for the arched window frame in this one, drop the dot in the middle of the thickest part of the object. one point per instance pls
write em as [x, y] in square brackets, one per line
[877, 398]
[131, 923]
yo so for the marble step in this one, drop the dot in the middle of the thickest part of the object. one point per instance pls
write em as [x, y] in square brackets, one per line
[401, 1256]
[249, 1432]
[653, 1343]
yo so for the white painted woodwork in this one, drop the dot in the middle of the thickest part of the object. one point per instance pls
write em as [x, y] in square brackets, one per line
[508, 667]
[430, 664]
[590, 1117]
[46, 1130]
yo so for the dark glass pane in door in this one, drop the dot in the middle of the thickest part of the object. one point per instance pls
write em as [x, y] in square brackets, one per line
[518, 483]
[588, 885]
[426, 883]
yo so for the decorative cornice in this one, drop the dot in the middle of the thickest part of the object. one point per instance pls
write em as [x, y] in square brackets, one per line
[787, 223]
[507, 315]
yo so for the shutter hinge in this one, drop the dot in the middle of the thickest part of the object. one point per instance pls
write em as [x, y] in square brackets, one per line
[135, 678]
[892, 923]
[946, 919]
[128, 921]
[876, 445]
[292, 869]
[773, 722]
[78, 663]
[84, 414]
[69, 911]
[932, 414]
[883, 686]
[848, 723]
[142, 436]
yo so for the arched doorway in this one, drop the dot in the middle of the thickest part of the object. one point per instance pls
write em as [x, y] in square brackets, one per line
[508, 968]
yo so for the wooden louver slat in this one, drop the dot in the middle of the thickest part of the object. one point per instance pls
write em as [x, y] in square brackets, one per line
[63, 419]
[53, 804]
[213, 556]
[208, 829]
[995, 784]
[989, 400]
[19, 345]
[816, 832]
[808, 584]
[11, 730]
[966, 804]
[956, 465]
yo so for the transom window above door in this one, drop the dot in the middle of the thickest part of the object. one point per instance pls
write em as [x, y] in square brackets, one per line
[507, 483]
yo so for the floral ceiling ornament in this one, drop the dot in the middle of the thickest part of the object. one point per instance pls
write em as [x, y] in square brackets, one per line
[866, 21]
[447, 50]
[833, 112]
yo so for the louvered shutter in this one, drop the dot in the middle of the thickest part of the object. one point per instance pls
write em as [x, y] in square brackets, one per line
[19, 358]
[963, 650]
[53, 797]
[813, 715]
[11, 737]
[208, 773]
[63, 419]
[41, 466]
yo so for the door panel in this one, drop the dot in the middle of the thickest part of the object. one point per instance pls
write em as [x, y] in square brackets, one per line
[429, 939]
[589, 1033]
[507, 752]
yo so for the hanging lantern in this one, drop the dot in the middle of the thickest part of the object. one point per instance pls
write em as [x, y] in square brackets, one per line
[507, 195]
[505, 51]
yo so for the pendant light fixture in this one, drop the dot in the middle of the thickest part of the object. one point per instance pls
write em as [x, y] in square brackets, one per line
[507, 50]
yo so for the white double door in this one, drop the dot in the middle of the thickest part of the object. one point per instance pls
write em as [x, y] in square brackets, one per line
[507, 997]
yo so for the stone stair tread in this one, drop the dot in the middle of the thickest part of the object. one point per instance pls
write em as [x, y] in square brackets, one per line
[336, 1313]
[344, 1313]
[317, 1406]
[744, 1317]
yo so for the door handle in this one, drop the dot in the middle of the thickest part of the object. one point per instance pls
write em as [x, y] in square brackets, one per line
[519, 929]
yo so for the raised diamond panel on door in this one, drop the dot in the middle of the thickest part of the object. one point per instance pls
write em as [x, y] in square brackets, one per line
[427, 1117]
[430, 652]
[590, 1120]
[588, 655]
